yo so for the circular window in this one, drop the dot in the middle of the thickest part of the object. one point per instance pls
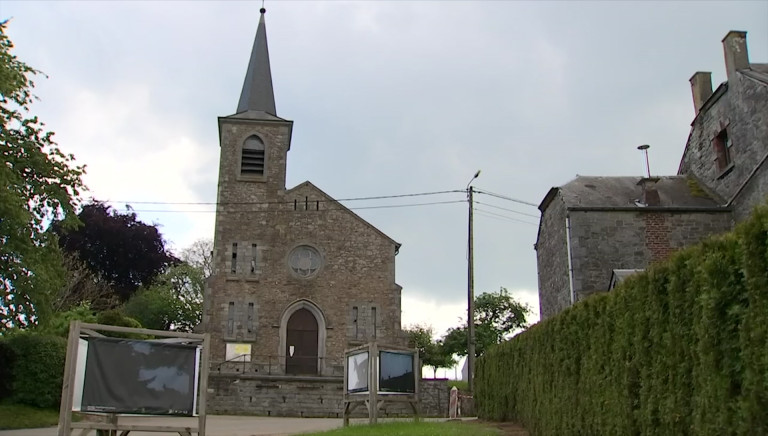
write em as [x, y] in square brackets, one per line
[304, 261]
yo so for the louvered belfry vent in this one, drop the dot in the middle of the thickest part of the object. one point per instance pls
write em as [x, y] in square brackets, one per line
[252, 159]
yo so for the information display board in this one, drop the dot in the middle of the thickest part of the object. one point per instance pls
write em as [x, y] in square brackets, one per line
[135, 376]
[396, 372]
[357, 372]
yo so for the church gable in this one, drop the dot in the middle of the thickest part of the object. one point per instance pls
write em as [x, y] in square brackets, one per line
[308, 197]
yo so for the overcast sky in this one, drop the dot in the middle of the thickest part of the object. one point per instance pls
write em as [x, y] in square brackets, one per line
[387, 98]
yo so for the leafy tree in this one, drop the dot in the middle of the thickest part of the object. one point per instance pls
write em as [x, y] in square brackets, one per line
[117, 247]
[173, 302]
[497, 316]
[59, 324]
[38, 183]
[200, 255]
[83, 287]
[118, 318]
[432, 353]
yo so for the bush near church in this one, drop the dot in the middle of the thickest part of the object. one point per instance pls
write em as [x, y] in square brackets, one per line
[32, 368]
[679, 350]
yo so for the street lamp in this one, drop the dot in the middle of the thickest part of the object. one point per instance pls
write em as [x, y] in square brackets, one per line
[470, 292]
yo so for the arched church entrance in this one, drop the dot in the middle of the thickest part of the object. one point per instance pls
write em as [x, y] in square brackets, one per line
[301, 343]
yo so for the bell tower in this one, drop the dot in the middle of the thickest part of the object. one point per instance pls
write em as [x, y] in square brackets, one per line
[254, 141]
[254, 144]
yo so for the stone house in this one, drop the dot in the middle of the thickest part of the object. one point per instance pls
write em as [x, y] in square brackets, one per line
[298, 278]
[594, 231]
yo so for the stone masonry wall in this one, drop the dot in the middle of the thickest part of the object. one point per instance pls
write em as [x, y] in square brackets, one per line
[602, 241]
[742, 110]
[755, 193]
[308, 397]
[552, 260]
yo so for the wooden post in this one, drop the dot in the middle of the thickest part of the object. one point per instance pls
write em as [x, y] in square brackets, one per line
[204, 367]
[68, 379]
[373, 383]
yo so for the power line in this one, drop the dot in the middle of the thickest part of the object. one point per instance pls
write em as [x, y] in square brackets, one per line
[504, 197]
[379, 197]
[388, 206]
[508, 210]
[498, 216]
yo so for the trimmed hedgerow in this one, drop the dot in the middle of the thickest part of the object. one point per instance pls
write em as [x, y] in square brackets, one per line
[681, 349]
[36, 368]
[6, 363]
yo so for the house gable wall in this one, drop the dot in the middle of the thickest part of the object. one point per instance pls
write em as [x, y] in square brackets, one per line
[742, 110]
[552, 260]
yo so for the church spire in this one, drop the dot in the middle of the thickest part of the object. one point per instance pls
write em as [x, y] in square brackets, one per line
[257, 94]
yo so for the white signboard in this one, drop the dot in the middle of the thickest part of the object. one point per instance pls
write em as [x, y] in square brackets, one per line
[238, 352]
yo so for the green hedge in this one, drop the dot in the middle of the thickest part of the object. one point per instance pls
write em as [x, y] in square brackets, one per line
[36, 366]
[681, 349]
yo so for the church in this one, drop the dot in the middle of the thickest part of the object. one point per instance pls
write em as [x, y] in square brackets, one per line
[298, 278]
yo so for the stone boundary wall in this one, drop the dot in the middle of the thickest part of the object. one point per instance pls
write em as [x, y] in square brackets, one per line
[308, 397]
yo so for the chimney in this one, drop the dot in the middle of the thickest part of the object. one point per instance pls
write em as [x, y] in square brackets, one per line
[701, 88]
[650, 196]
[735, 48]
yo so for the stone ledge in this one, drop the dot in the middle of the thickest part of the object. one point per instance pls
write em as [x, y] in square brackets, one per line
[300, 378]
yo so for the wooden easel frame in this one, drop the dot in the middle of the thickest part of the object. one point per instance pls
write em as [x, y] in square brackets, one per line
[111, 424]
[373, 400]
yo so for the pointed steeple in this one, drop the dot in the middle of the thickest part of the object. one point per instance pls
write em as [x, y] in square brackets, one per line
[257, 94]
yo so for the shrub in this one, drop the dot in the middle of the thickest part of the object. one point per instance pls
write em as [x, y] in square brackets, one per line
[36, 368]
[678, 350]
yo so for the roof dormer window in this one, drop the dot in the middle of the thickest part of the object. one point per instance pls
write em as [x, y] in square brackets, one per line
[252, 159]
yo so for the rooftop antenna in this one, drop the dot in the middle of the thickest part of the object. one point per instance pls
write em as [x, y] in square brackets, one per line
[644, 148]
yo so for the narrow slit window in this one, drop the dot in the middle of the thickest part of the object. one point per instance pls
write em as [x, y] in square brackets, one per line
[253, 258]
[723, 144]
[231, 319]
[373, 322]
[252, 159]
[233, 265]
[249, 323]
[354, 319]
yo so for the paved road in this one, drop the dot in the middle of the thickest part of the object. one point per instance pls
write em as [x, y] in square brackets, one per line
[220, 425]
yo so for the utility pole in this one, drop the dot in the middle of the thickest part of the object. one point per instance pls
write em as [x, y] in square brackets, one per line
[471, 291]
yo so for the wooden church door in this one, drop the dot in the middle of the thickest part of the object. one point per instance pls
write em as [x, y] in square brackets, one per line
[301, 343]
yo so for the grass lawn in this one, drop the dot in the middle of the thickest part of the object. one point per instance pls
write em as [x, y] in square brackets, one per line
[451, 428]
[13, 416]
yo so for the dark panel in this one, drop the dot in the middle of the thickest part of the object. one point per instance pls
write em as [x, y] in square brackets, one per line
[396, 372]
[129, 376]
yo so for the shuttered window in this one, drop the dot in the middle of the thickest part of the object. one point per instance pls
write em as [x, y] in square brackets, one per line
[252, 159]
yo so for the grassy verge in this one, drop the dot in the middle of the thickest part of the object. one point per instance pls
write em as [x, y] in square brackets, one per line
[13, 416]
[414, 429]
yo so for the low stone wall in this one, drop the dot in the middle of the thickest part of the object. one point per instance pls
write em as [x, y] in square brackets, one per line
[310, 397]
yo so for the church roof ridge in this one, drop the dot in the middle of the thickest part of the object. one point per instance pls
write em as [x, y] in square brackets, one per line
[257, 94]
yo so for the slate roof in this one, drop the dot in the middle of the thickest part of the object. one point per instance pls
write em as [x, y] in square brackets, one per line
[618, 276]
[257, 95]
[600, 192]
